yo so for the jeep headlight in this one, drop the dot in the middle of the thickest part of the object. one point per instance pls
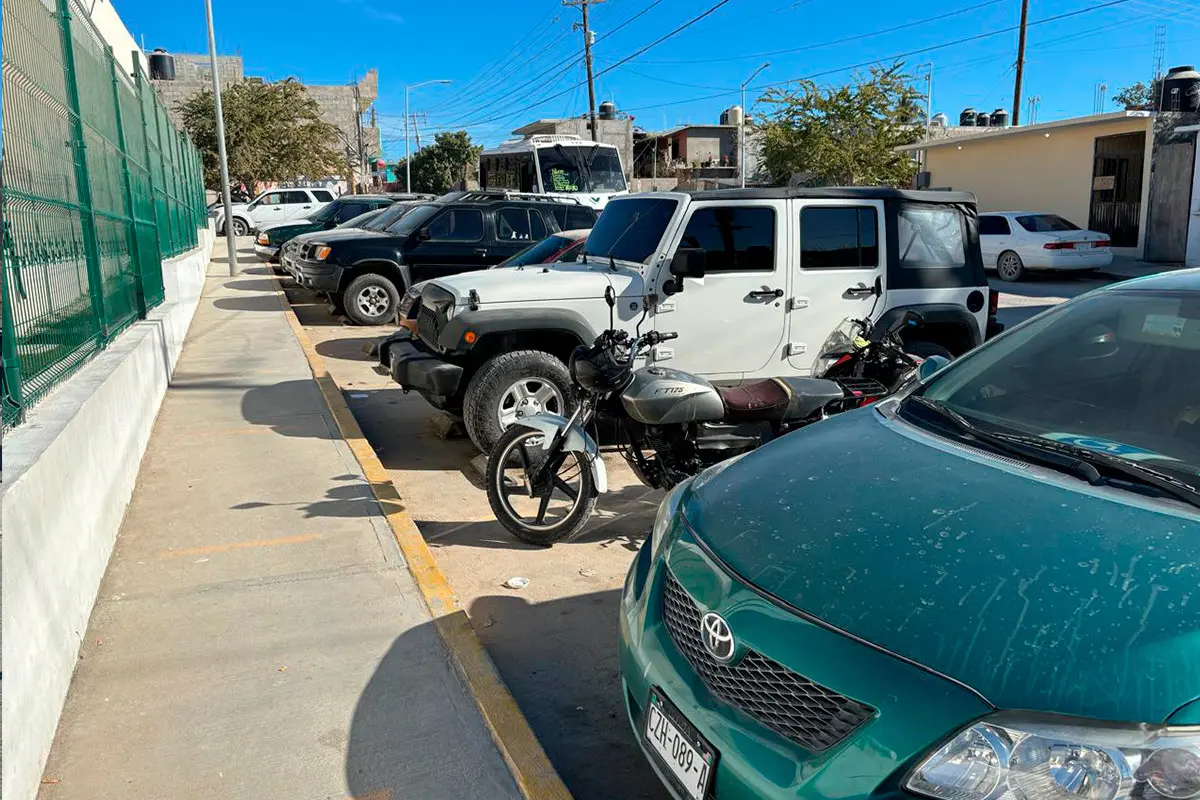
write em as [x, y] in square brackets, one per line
[666, 512]
[1012, 756]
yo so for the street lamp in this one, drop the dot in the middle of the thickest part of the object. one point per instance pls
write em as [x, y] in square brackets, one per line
[230, 244]
[407, 157]
[742, 126]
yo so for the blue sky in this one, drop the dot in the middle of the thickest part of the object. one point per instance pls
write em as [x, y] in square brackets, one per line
[688, 78]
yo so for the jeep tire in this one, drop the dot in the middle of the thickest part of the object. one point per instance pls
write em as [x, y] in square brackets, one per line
[513, 385]
[369, 299]
[925, 349]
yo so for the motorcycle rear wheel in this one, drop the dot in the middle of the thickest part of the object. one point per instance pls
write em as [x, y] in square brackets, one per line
[525, 515]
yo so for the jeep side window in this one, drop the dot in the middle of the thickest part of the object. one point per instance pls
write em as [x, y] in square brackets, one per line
[458, 225]
[512, 225]
[930, 238]
[735, 239]
[838, 237]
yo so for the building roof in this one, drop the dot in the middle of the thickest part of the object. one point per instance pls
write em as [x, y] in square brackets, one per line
[1041, 127]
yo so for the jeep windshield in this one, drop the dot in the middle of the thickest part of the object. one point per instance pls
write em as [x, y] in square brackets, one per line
[580, 169]
[630, 229]
[1111, 379]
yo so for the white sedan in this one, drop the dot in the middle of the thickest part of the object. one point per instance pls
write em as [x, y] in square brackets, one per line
[1014, 242]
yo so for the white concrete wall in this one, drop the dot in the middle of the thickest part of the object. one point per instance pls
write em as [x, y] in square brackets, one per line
[69, 472]
[110, 26]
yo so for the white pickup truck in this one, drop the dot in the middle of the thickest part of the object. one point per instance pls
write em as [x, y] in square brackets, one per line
[752, 280]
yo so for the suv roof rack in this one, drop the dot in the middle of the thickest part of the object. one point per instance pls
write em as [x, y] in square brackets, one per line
[492, 195]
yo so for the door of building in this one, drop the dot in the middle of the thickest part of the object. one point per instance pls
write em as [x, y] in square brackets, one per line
[1117, 187]
[1170, 198]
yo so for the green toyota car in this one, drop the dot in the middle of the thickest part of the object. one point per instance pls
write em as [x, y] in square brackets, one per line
[271, 238]
[985, 588]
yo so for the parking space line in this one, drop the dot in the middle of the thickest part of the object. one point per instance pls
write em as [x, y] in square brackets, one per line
[225, 548]
[531, 769]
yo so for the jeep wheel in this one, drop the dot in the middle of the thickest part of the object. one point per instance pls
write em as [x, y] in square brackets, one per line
[510, 387]
[240, 228]
[370, 299]
[924, 349]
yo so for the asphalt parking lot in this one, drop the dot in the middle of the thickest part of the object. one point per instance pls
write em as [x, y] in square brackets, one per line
[552, 641]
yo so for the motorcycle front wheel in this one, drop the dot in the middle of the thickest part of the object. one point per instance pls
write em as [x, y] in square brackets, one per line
[538, 514]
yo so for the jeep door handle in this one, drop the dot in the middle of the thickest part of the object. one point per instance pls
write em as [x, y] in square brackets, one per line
[481, 251]
[860, 291]
[767, 294]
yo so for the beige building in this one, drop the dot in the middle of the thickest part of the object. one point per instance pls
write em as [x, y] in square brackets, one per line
[1094, 171]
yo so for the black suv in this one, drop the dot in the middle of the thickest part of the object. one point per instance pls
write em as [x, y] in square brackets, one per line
[366, 272]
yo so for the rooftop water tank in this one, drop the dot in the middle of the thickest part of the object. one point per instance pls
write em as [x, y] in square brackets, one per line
[608, 110]
[940, 119]
[999, 118]
[1181, 89]
[967, 117]
[162, 65]
[983, 119]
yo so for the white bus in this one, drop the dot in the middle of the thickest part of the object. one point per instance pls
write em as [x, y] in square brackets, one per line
[557, 165]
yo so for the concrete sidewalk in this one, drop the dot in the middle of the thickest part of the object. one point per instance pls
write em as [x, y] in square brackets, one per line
[1123, 268]
[258, 634]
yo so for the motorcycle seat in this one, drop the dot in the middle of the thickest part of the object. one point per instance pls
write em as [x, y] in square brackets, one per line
[778, 399]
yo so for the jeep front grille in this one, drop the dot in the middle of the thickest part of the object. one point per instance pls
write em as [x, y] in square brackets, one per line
[812, 716]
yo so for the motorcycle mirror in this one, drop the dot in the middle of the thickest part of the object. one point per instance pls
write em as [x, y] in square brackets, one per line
[931, 365]
[610, 296]
[878, 286]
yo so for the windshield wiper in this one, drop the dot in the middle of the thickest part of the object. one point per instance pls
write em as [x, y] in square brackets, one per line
[1072, 460]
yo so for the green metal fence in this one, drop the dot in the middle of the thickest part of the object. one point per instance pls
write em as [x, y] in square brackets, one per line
[98, 187]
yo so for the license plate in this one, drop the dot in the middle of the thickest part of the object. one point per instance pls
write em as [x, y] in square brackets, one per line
[1083, 246]
[689, 758]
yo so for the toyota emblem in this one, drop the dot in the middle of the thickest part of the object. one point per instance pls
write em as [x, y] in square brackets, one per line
[718, 638]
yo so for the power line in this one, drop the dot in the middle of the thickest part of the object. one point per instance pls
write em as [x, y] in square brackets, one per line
[832, 42]
[626, 22]
[610, 68]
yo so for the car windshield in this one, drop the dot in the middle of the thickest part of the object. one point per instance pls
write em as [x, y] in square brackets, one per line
[325, 212]
[630, 229]
[1115, 373]
[362, 220]
[415, 218]
[1045, 223]
[389, 215]
[580, 168]
[538, 252]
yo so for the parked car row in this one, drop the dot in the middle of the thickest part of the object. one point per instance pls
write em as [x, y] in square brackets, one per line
[978, 588]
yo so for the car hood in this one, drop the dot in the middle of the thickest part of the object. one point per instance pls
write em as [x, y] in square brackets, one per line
[1039, 592]
[291, 223]
[542, 283]
[286, 230]
[340, 234]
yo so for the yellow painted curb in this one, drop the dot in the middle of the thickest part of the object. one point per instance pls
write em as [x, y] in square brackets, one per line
[527, 761]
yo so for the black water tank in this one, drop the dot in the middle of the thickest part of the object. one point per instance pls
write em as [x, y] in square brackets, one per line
[1181, 89]
[999, 118]
[967, 117]
[162, 65]
[608, 110]
[983, 119]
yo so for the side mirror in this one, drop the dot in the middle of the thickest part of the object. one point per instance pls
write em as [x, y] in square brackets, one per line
[689, 262]
[423, 235]
[931, 365]
[610, 296]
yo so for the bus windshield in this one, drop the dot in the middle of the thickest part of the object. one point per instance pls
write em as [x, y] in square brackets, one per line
[580, 168]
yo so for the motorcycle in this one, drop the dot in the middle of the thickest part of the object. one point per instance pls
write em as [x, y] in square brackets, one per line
[546, 473]
[859, 349]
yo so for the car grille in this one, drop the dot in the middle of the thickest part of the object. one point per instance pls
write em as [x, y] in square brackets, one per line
[810, 715]
[428, 325]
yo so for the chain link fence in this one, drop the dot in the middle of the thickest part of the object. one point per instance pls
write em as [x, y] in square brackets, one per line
[97, 189]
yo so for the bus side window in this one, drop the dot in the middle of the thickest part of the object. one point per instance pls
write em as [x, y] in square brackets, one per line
[528, 175]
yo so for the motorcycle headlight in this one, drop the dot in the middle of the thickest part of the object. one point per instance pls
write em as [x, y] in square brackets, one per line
[1021, 757]
[666, 512]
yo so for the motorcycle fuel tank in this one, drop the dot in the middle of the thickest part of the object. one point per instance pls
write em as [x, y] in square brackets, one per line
[662, 396]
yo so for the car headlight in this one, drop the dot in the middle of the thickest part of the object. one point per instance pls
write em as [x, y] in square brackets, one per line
[263, 238]
[321, 252]
[1021, 757]
[666, 512]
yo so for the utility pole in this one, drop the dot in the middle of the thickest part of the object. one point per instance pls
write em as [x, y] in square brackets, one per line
[407, 119]
[742, 126]
[230, 244]
[587, 60]
[1016, 110]
[359, 133]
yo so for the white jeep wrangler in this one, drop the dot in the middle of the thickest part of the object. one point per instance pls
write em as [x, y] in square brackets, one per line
[752, 280]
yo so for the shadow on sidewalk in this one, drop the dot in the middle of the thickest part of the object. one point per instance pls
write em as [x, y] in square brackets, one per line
[559, 659]
[262, 302]
[265, 284]
[412, 737]
[350, 500]
[289, 408]
[350, 348]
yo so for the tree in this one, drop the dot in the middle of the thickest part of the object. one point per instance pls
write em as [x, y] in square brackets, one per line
[1138, 97]
[273, 132]
[844, 135]
[444, 164]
